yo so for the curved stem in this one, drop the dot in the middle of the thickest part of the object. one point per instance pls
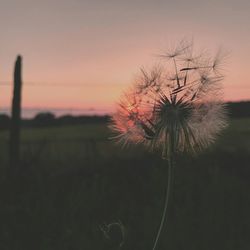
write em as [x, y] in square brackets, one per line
[167, 199]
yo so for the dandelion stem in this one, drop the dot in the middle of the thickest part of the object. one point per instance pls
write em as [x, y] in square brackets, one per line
[186, 75]
[176, 72]
[167, 199]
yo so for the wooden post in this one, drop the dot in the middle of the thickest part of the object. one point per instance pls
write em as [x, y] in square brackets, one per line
[16, 115]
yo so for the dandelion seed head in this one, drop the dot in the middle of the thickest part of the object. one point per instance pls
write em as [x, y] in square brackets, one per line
[177, 111]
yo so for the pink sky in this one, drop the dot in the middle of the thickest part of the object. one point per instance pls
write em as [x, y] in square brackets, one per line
[82, 54]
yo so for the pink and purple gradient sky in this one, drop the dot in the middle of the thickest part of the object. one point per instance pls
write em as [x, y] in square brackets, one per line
[81, 54]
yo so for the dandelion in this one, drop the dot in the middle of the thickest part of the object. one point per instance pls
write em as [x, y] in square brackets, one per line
[173, 109]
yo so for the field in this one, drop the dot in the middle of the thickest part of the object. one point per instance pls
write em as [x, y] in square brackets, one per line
[74, 179]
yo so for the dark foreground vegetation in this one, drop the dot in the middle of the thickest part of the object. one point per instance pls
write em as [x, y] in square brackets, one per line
[72, 179]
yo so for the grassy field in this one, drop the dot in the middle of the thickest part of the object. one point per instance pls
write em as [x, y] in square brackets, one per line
[73, 179]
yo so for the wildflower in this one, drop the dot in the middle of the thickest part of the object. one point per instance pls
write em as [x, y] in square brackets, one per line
[174, 111]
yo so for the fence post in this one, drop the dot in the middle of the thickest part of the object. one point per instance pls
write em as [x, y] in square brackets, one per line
[16, 115]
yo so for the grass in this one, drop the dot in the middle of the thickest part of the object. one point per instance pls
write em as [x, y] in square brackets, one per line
[73, 179]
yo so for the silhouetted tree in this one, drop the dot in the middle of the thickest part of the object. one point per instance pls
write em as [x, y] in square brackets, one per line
[4, 121]
[44, 119]
[16, 115]
[239, 109]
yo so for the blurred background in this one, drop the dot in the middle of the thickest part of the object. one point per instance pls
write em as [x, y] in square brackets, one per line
[63, 181]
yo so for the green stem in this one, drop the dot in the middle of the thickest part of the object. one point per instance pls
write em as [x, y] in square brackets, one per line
[167, 199]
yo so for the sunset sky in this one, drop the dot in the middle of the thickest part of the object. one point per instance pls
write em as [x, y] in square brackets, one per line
[81, 54]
